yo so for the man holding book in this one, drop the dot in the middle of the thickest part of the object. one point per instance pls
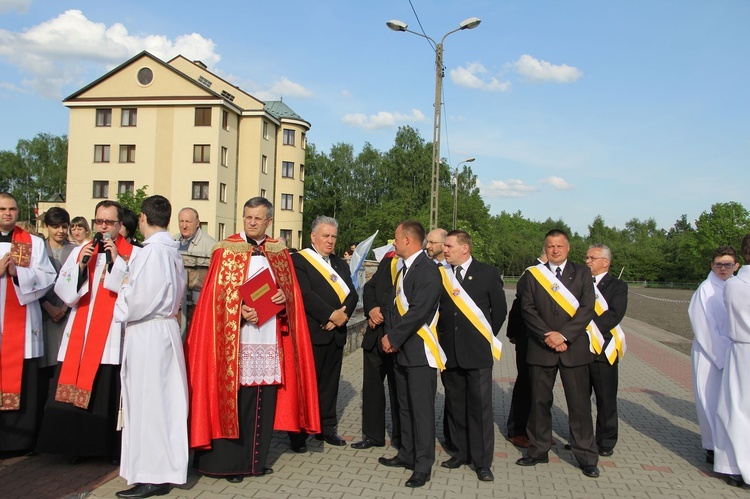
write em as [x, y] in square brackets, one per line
[250, 369]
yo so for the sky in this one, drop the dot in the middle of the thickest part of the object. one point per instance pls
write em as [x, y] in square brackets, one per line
[630, 109]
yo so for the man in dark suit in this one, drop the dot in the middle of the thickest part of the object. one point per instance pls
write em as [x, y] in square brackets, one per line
[603, 371]
[471, 314]
[376, 364]
[330, 299]
[411, 310]
[520, 402]
[558, 303]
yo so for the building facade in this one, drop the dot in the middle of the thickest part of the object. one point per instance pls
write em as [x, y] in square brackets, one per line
[189, 135]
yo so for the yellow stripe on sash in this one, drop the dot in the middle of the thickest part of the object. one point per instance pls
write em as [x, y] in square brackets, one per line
[548, 286]
[338, 286]
[461, 304]
[394, 270]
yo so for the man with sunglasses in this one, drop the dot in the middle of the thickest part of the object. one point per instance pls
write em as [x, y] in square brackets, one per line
[81, 415]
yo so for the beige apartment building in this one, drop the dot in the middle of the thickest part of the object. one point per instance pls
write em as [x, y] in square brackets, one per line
[190, 136]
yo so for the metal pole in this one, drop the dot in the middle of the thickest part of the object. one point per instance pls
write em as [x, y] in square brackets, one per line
[435, 185]
[455, 200]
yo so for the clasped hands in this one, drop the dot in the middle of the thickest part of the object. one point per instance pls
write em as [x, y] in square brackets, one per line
[8, 265]
[251, 315]
[555, 341]
[337, 319]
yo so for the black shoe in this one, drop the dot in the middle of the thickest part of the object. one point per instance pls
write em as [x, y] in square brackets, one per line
[485, 475]
[145, 490]
[590, 471]
[453, 463]
[606, 452]
[298, 447]
[735, 480]
[418, 479]
[266, 471]
[234, 479]
[331, 438]
[568, 447]
[710, 457]
[395, 462]
[396, 444]
[531, 461]
[366, 444]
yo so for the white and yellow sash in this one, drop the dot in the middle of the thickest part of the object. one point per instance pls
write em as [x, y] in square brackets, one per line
[330, 275]
[428, 332]
[617, 347]
[563, 297]
[471, 311]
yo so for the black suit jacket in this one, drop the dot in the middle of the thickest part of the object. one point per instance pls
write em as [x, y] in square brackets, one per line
[516, 329]
[463, 344]
[321, 300]
[615, 292]
[542, 314]
[375, 294]
[422, 286]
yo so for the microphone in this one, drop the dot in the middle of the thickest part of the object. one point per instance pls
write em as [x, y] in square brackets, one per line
[97, 240]
[108, 237]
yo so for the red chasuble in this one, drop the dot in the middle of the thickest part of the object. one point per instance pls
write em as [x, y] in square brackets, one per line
[14, 328]
[213, 342]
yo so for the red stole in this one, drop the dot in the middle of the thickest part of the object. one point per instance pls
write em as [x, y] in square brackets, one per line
[84, 352]
[212, 347]
[14, 328]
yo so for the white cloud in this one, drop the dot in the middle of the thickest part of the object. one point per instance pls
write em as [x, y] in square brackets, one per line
[283, 87]
[383, 119]
[346, 93]
[12, 88]
[537, 70]
[57, 52]
[19, 6]
[557, 182]
[469, 76]
[512, 188]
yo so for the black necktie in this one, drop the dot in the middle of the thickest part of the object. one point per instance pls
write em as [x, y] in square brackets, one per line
[558, 272]
[459, 277]
[327, 260]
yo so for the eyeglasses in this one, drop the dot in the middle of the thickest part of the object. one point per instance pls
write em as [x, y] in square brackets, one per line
[596, 258]
[719, 265]
[101, 221]
[430, 243]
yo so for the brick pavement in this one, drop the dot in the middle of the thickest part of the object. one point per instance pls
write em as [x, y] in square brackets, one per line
[658, 455]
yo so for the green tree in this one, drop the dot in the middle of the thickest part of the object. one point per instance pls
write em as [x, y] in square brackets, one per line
[132, 201]
[724, 225]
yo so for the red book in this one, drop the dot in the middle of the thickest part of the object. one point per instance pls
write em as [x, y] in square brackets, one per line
[257, 291]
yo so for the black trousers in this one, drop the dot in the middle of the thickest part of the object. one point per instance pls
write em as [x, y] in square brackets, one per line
[470, 394]
[604, 381]
[376, 368]
[575, 382]
[416, 387]
[520, 403]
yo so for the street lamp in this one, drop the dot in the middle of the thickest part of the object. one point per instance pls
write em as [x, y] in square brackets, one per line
[469, 23]
[455, 191]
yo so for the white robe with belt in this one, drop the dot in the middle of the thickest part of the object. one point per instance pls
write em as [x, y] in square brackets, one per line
[732, 445]
[708, 316]
[154, 379]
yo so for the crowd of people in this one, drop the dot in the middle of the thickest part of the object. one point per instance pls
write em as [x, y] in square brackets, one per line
[93, 363]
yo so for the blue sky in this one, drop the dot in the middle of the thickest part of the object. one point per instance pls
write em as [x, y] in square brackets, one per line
[638, 108]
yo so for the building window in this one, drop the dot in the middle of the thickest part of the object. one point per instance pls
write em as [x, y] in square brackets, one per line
[129, 117]
[125, 186]
[224, 156]
[104, 117]
[287, 201]
[202, 116]
[265, 130]
[302, 172]
[286, 235]
[221, 231]
[287, 169]
[225, 119]
[101, 189]
[101, 154]
[304, 141]
[301, 200]
[288, 137]
[223, 193]
[201, 153]
[264, 164]
[127, 154]
[262, 193]
[200, 190]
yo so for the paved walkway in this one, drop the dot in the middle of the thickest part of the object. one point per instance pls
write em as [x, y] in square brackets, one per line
[659, 453]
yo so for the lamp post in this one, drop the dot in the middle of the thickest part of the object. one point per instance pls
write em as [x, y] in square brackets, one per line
[469, 23]
[455, 191]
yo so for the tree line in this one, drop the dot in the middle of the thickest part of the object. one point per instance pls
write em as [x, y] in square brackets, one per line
[372, 189]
